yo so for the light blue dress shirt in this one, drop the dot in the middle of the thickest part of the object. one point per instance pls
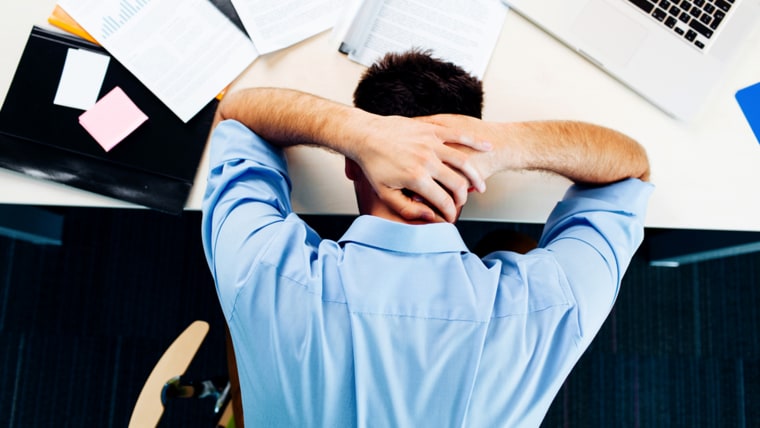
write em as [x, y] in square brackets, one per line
[398, 325]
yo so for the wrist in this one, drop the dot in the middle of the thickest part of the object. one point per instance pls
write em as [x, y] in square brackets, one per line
[353, 134]
[509, 152]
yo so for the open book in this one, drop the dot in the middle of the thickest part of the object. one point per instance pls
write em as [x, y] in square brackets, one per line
[462, 32]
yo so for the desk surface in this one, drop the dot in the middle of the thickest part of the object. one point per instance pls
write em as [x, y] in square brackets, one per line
[707, 172]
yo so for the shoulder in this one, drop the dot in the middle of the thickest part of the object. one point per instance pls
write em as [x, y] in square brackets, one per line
[529, 283]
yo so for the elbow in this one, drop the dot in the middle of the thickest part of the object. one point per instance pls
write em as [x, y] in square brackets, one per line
[645, 175]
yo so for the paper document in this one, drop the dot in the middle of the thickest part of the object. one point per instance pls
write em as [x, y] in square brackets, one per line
[112, 119]
[274, 24]
[81, 79]
[462, 32]
[184, 51]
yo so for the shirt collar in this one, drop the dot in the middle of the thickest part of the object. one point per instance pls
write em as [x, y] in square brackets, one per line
[395, 236]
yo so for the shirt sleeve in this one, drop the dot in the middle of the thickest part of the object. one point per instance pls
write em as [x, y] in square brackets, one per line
[247, 194]
[593, 234]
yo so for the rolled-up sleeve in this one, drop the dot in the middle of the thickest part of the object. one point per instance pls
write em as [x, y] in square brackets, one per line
[247, 196]
[593, 234]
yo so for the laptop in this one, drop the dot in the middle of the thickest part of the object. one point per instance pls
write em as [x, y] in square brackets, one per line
[671, 52]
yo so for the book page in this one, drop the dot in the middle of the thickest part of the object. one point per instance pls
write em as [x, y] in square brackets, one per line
[462, 32]
[274, 25]
[184, 51]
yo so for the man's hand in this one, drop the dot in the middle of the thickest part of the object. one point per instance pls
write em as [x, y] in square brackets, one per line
[400, 153]
[489, 133]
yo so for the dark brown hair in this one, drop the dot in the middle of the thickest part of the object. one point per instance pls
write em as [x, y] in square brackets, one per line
[414, 83]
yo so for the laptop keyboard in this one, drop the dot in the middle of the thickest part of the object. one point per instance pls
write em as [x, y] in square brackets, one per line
[695, 21]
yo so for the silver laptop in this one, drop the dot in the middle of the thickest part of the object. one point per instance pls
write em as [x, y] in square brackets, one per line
[671, 52]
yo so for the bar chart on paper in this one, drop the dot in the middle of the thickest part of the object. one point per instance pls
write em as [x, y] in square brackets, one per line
[104, 19]
[126, 10]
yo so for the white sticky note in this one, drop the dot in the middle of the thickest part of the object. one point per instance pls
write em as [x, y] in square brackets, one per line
[81, 79]
[112, 118]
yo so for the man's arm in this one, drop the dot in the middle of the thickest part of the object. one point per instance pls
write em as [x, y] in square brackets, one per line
[582, 152]
[394, 152]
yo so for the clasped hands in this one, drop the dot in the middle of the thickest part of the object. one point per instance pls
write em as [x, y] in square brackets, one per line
[423, 168]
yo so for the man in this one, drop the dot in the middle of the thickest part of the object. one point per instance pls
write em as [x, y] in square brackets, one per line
[397, 324]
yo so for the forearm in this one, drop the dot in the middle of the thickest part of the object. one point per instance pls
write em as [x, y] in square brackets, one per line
[582, 152]
[286, 117]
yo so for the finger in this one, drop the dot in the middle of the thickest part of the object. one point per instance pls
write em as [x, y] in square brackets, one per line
[454, 183]
[449, 135]
[459, 161]
[438, 197]
[406, 207]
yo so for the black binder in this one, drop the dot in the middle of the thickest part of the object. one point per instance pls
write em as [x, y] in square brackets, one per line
[155, 166]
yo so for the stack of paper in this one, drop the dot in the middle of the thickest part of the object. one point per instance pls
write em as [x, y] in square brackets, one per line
[187, 51]
[184, 51]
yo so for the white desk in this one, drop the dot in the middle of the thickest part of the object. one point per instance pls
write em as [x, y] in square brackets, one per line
[707, 173]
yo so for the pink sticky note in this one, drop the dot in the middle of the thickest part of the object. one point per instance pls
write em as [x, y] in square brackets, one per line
[112, 118]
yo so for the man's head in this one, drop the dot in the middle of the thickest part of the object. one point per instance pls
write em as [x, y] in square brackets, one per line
[416, 84]
[412, 84]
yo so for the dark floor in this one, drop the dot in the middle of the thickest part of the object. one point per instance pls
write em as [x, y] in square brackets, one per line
[82, 325]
